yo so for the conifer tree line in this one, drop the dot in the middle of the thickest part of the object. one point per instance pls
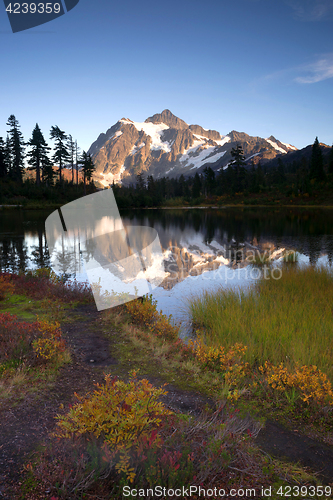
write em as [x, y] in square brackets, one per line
[15, 151]
[300, 177]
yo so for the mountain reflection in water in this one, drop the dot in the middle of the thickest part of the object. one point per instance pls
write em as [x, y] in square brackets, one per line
[193, 240]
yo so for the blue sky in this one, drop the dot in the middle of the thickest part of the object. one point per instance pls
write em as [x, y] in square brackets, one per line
[257, 66]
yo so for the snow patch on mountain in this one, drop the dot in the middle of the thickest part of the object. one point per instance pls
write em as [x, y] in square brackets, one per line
[154, 130]
[208, 154]
[109, 178]
[135, 149]
[289, 146]
[252, 156]
[200, 137]
[117, 134]
[223, 141]
[205, 156]
[111, 137]
[190, 151]
[275, 146]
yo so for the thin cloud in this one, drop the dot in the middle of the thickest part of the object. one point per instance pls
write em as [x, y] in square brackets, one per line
[317, 71]
[310, 10]
[314, 72]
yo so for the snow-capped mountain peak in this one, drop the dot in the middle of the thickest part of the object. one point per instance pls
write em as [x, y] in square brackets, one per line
[166, 145]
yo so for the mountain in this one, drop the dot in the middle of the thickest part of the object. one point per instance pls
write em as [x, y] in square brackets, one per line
[165, 145]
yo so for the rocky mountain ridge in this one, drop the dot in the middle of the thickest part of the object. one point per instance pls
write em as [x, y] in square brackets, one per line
[165, 145]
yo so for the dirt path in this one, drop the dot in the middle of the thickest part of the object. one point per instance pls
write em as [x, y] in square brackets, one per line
[25, 425]
[295, 447]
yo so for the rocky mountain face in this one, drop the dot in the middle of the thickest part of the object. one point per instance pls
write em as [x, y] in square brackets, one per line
[165, 145]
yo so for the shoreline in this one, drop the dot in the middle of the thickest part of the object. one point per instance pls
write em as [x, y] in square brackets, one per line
[180, 207]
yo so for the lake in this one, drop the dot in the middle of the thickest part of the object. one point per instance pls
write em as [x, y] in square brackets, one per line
[203, 249]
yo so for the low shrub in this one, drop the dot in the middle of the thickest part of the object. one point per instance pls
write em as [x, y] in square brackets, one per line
[22, 342]
[44, 283]
[312, 385]
[120, 415]
[6, 287]
[143, 311]
[228, 362]
[49, 342]
[181, 450]
[16, 338]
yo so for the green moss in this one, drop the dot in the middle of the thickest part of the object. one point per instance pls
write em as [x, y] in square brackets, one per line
[23, 307]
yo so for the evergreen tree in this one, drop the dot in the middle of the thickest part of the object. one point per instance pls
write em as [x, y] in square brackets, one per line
[71, 146]
[330, 161]
[8, 157]
[61, 152]
[151, 188]
[182, 185]
[220, 181]
[3, 166]
[260, 176]
[209, 176]
[317, 162]
[281, 172]
[140, 182]
[237, 165]
[88, 167]
[196, 188]
[252, 177]
[230, 180]
[77, 152]
[16, 145]
[170, 188]
[303, 175]
[48, 173]
[38, 158]
[162, 188]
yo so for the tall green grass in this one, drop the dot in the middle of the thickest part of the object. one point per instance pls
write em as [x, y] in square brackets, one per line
[288, 320]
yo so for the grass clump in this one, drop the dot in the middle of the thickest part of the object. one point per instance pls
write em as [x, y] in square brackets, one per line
[272, 346]
[287, 320]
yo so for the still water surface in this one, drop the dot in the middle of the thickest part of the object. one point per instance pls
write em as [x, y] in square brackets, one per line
[203, 249]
